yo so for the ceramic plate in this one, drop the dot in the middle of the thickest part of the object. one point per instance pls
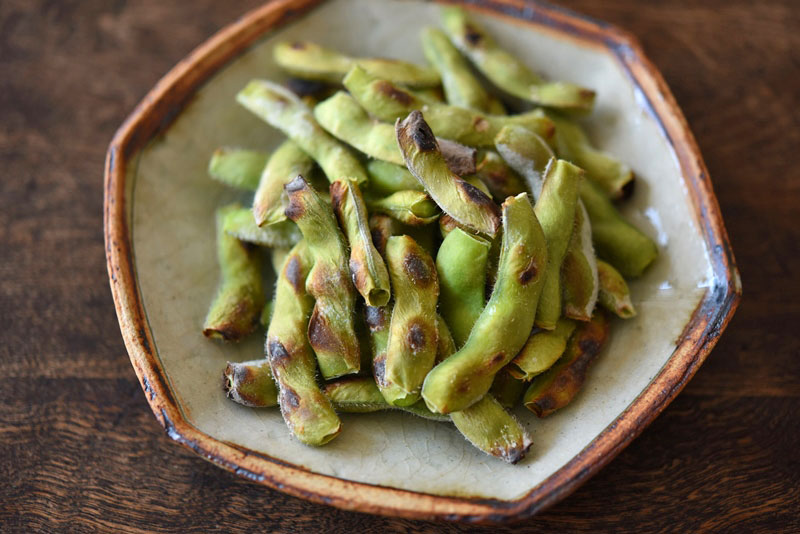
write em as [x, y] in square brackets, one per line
[160, 244]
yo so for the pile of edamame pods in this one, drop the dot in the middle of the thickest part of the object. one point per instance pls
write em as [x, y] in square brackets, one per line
[435, 254]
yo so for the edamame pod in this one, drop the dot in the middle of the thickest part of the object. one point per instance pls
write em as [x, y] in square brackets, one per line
[503, 327]
[488, 426]
[501, 180]
[526, 153]
[305, 59]
[283, 110]
[266, 314]
[237, 167]
[446, 344]
[378, 320]
[507, 72]
[239, 223]
[555, 210]
[614, 293]
[414, 208]
[617, 241]
[389, 102]
[366, 265]
[286, 162]
[382, 227]
[464, 202]
[236, 308]
[579, 279]
[557, 386]
[446, 225]
[386, 178]
[361, 395]
[541, 350]
[412, 344]
[307, 412]
[250, 384]
[506, 388]
[331, 332]
[461, 264]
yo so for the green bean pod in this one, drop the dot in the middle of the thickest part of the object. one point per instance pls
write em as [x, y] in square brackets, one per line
[386, 178]
[461, 264]
[579, 278]
[388, 102]
[614, 294]
[501, 180]
[414, 208]
[461, 87]
[250, 384]
[307, 412]
[506, 388]
[413, 335]
[308, 60]
[507, 72]
[617, 241]
[236, 308]
[464, 202]
[613, 176]
[504, 325]
[555, 210]
[237, 167]
[366, 265]
[331, 331]
[283, 110]
[240, 224]
[541, 350]
[286, 162]
[556, 387]
[489, 427]
[526, 153]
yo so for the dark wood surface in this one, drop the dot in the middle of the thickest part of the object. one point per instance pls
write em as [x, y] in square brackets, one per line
[80, 450]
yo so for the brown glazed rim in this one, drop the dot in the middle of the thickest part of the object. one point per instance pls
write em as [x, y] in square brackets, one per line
[165, 101]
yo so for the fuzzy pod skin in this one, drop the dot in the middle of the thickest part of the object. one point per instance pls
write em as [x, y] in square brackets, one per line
[614, 295]
[507, 72]
[614, 177]
[308, 60]
[504, 325]
[555, 210]
[616, 240]
[389, 102]
[580, 283]
[286, 162]
[239, 223]
[461, 264]
[414, 208]
[556, 387]
[501, 180]
[507, 389]
[250, 384]
[283, 110]
[526, 153]
[542, 350]
[464, 202]
[237, 167]
[236, 308]
[331, 331]
[413, 333]
[489, 427]
[366, 265]
[461, 87]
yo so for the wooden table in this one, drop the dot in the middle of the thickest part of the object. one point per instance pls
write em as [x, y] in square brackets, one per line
[81, 452]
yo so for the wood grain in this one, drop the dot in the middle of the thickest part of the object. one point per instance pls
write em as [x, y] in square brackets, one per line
[81, 452]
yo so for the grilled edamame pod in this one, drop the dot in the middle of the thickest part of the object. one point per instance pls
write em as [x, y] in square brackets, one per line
[239, 223]
[307, 412]
[614, 293]
[366, 265]
[360, 394]
[617, 241]
[504, 325]
[462, 201]
[286, 162]
[557, 386]
[579, 278]
[237, 167]
[236, 308]
[506, 388]
[414, 208]
[283, 110]
[386, 178]
[389, 102]
[413, 334]
[378, 321]
[331, 331]
[308, 60]
[507, 72]
[555, 210]
[541, 350]
[461, 264]
[250, 384]
[501, 180]
[526, 153]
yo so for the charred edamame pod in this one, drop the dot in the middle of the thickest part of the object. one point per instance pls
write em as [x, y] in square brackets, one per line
[541, 350]
[488, 426]
[286, 162]
[614, 293]
[250, 384]
[526, 153]
[506, 388]
[237, 167]
[414, 208]
[361, 395]
[501, 180]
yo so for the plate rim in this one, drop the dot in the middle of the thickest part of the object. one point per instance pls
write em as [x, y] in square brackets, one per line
[165, 101]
